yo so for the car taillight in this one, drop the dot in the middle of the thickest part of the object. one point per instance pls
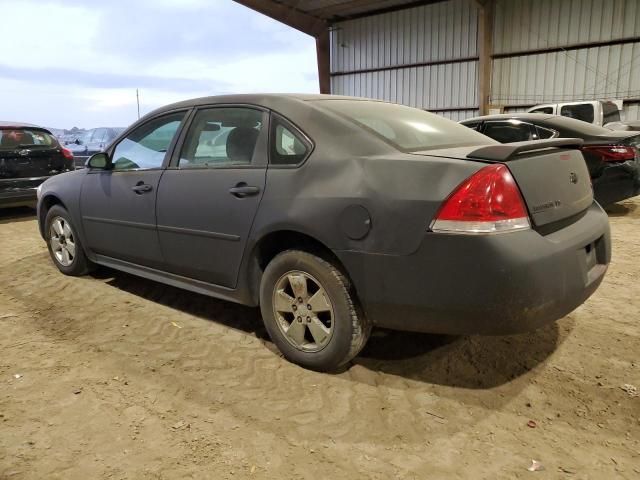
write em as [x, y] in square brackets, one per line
[68, 154]
[612, 153]
[487, 202]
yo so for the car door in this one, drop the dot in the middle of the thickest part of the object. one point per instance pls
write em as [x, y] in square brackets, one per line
[209, 196]
[118, 205]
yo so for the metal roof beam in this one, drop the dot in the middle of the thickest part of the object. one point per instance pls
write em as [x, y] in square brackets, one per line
[291, 16]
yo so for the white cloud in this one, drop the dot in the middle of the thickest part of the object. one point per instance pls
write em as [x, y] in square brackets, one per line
[81, 37]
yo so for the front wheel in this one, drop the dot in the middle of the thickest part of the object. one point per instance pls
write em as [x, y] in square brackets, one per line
[64, 245]
[310, 311]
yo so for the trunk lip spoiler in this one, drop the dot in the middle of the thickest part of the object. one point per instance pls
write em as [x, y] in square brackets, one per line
[506, 151]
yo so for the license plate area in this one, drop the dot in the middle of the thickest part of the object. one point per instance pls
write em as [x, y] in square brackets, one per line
[593, 259]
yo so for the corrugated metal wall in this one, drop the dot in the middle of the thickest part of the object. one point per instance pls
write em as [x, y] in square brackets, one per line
[428, 57]
[609, 71]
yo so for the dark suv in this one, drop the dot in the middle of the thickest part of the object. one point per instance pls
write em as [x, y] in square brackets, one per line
[28, 156]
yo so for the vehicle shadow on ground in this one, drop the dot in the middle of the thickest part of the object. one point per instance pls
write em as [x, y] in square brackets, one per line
[16, 214]
[473, 362]
[621, 209]
[232, 315]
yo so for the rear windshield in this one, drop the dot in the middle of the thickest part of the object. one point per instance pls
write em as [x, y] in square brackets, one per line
[610, 113]
[12, 138]
[407, 129]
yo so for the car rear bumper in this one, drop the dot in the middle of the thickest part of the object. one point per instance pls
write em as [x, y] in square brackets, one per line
[484, 284]
[19, 191]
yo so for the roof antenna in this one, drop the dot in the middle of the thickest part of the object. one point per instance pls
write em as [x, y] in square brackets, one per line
[138, 102]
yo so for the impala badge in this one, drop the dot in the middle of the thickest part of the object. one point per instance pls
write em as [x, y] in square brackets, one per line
[24, 152]
[573, 177]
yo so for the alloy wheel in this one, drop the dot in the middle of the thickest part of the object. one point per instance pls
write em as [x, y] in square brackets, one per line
[62, 241]
[303, 311]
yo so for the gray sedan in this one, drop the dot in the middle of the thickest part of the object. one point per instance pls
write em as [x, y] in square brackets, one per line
[334, 215]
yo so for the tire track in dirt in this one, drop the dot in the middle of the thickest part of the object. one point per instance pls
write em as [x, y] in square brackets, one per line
[411, 405]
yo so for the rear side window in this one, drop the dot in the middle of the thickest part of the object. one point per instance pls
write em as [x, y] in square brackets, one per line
[510, 131]
[288, 146]
[407, 129]
[222, 137]
[582, 111]
[13, 138]
[610, 113]
[545, 132]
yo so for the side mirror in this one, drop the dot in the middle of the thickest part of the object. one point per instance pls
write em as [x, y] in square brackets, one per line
[98, 161]
[77, 141]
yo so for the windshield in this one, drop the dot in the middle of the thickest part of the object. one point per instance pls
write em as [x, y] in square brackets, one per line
[407, 129]
[12, 138]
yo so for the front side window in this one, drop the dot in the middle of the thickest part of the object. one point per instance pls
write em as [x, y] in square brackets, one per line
[581, 111]
[509, 131]
[146, 147]
[405, 128]
[223, 136]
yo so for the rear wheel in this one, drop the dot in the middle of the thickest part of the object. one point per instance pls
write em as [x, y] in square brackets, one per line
[64, 245]
[310, 311]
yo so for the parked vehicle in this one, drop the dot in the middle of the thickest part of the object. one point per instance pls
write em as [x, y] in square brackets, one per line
[612, 156]
[597, 112]
[91, 142]
[335, 214]
[28, 156]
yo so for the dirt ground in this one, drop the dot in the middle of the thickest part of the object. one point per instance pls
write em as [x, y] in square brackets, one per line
[115, 377]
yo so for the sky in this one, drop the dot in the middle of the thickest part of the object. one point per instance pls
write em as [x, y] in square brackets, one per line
[66, 63]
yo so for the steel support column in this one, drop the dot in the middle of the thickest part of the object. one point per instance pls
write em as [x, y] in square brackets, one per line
[485, 49]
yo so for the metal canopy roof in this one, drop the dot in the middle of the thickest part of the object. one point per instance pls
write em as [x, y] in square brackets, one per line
[312, 16]
[333, 10]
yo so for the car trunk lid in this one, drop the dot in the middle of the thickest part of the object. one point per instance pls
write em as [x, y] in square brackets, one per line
[24, 162]
[551, 174]
[29, 151]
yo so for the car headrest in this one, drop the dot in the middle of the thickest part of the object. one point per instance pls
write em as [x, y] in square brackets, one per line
[241, 143]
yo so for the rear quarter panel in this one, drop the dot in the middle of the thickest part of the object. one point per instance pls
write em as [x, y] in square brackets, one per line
[401, 193]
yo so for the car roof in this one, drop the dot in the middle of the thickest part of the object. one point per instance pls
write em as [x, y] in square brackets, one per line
[5, 124]
[514, 116]
[273, 100]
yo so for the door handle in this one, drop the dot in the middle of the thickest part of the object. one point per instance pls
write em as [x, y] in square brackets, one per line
[242, 190]
[141, 188]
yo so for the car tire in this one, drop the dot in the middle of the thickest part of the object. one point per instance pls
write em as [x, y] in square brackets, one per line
[335, 329]
[64, 245]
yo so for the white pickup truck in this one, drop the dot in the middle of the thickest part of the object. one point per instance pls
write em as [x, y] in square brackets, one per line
[598, 112]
